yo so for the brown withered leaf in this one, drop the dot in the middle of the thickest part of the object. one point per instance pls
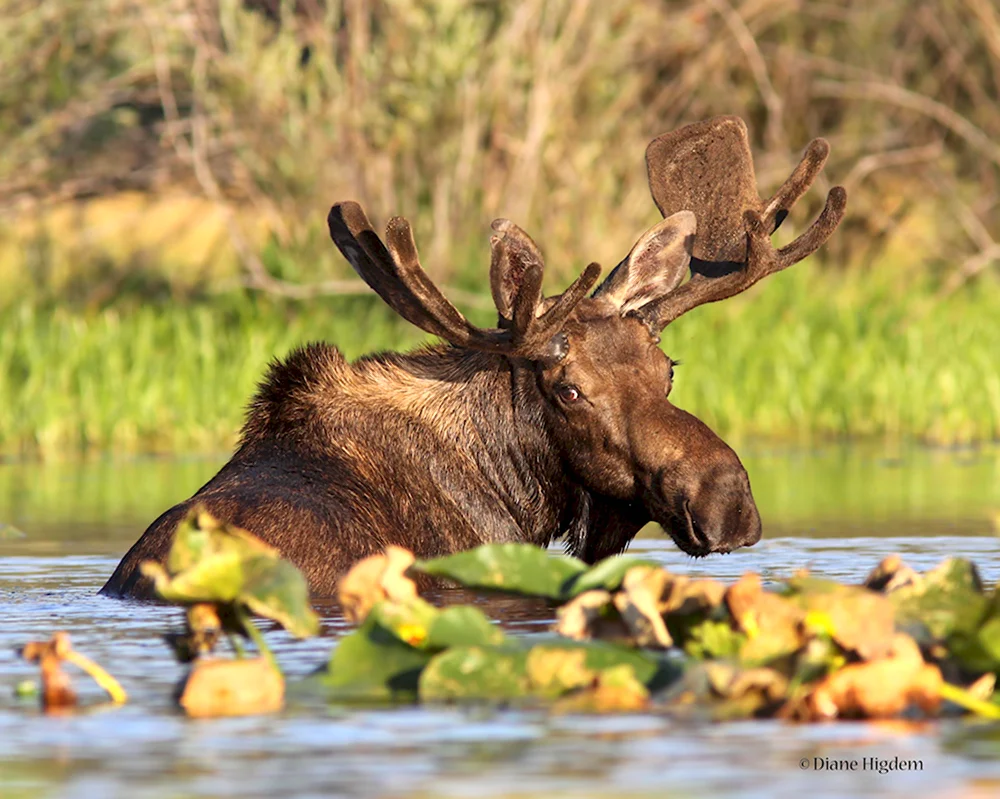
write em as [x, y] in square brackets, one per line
[591, 616]
[57, 690]
[772, 624]
[684, 596]
[232, 688]
[613, 690]
[374, 579]
[731, 682]
[877, 689]
[858, 619]
[553, 671]
[890, 575]
[639, 602]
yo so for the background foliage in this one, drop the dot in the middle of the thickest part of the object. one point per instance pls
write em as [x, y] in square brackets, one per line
[165, 168]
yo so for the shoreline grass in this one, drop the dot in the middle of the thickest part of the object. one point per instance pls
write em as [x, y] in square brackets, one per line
[811, 356]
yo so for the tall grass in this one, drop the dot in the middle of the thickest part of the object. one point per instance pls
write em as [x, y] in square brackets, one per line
[179, 152]
[808, 356]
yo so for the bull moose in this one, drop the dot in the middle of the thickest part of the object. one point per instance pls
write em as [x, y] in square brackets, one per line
[555, 424]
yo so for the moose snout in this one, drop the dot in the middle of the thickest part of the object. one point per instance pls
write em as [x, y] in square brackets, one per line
[721, 511]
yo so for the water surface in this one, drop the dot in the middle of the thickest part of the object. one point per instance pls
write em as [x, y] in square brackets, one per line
[837, 511]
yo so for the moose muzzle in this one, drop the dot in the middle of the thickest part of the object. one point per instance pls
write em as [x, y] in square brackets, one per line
[700, 494]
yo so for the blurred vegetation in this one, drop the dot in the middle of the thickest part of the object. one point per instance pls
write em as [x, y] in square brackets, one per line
[166, 167]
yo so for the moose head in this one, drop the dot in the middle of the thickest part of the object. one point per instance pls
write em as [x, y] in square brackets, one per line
[600, 377]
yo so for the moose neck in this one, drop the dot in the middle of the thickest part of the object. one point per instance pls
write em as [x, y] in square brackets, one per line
[496, 417]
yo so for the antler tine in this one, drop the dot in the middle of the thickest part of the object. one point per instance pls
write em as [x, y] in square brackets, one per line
[565, 303]
[798, 183]
[762, 260]
[356, 239]
[396, 276]
[393, 270]
[458, 329]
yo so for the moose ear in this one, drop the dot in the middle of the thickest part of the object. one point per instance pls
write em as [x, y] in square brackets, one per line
[657, 265]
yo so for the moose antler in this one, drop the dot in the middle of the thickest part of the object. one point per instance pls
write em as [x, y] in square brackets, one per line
[393, 270]
[707, 168]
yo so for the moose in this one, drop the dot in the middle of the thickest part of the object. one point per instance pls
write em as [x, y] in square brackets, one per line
[555, 424]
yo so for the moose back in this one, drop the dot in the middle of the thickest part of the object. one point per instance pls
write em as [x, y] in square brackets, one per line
[555, 424]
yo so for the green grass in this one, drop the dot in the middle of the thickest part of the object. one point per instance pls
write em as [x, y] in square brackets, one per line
[807, 356]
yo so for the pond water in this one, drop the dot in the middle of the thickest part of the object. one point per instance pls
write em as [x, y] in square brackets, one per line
[836, 510]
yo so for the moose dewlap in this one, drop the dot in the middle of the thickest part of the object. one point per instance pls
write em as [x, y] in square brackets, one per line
[555, 424]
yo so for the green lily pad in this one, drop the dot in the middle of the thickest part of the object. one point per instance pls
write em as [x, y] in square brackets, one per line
[217, 578]
[275, 589]
[373, 664]
[463, 625]
[212, 563]
[607, 575]
[712, 639]
[409, 620]
[977, 649]
[945, 600]
[473, 672]
[514, 568]
[650, 669]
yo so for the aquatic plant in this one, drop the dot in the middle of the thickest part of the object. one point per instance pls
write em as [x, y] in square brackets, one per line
[635, 635]
[221, 575]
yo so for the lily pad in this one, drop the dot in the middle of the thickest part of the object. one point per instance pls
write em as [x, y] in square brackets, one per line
[463, 625]
[858, 619]
[275, 589]
[473, 672]
[372, 663]
[607, 575]
[221, 564]
[514, 568]
[945, 600]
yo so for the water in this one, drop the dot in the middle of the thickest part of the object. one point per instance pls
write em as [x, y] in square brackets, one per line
[837, 511]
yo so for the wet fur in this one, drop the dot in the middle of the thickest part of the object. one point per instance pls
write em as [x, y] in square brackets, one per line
[438, 450]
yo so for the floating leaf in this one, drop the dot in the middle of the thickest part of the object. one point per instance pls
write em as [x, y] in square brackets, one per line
[649, 669]
[880, 688]
[200, 537]
[728, 691]
[213, 563]
[977, 647]
[463, 625]
[515, 568]
[639, 603]
[57, 692]
[614, 690]
[372, 663]
[374, 579]
[553, 671]
[858, 619]
[409, 620]
[713, 639]
[890, 575]
[606, 575]
[218, 578]
[773, 625]
[472, 672]
[276, 590]
[591, 615]
[232, 688]
[947, 599]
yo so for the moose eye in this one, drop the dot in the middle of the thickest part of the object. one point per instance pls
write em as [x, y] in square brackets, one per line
[568, 394]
